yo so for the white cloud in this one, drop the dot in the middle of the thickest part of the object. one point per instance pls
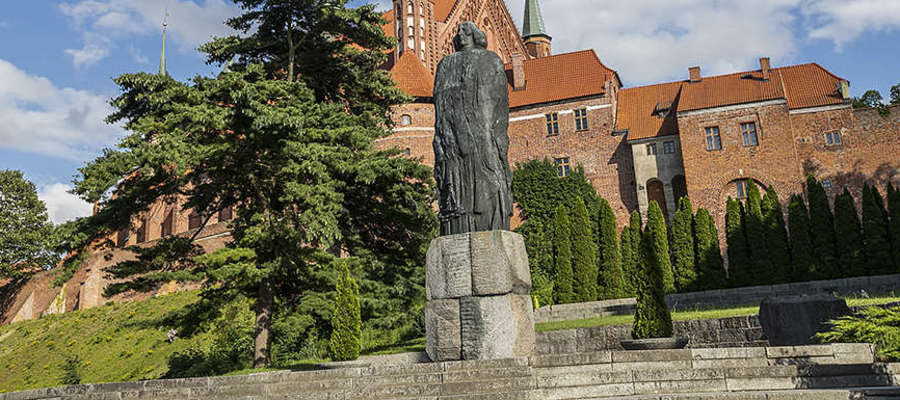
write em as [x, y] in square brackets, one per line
[39, 117]
[137, 56]
[4, 24]
[190, 24]
[843, 21]
[96, 48]
[63, 206]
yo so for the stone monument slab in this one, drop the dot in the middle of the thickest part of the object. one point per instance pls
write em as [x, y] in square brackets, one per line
[442, 330]
[793, 320]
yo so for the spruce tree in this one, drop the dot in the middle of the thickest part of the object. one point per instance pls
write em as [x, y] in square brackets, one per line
[821, 227]
[683, 257]
[710, 269]
[656, 226]
[584, 256]
[628, 261]
[738, 252]
[804, 266]
[25, 232]
[763, 271]
[652, 318]
[612, 279]
[893, 199]
[850, 247]
[776, 236]
[631, 264]
[563, 290]
[875, 230]
[346, 322]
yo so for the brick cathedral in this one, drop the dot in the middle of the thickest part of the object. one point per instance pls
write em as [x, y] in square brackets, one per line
[704, 136]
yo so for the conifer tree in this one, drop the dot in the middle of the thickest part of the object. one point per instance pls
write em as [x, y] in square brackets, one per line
[738, 252]
[850, 247]
[631, 263]
[755, 229]
[584, 256]
[25, 232]
[539, 246]
[628, 261]
[776, 236]
[710, 269]
[346, 322]
[683, 257]
[656, 226]
[612, 279]
[875, 230]
[563, 290]
[804, 263]
[652, 318]
[821, 227]
[893, 199]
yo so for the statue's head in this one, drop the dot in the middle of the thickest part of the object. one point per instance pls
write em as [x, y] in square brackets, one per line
[468, 37]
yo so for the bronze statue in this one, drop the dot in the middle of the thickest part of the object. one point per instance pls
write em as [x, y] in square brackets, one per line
[471, 163]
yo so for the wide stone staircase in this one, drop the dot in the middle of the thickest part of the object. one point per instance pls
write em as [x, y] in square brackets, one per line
[824, 372]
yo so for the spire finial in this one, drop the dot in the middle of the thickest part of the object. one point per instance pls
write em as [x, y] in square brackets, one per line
[162, 57]
[533, 23]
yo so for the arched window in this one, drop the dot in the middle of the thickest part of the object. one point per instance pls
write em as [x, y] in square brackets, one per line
[679, 187]
[406, 119]
[409, 8]
[412, 31]
[422, 9]
[656, 192]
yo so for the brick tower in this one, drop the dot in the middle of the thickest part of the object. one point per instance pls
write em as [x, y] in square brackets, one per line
[537, 41]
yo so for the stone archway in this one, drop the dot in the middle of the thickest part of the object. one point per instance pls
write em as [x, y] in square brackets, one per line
[657, 192]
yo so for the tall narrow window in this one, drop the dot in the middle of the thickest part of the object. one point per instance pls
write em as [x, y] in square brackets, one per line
[562, 166]
[740, 187]
[581, 121]
[833, 138]
[226, 214]
[748, 133]
[412, 31]
[166, 227]
[552, 124]
[194, 220]
[651, 149]
[713, 140]
[409, 8]
[669, 147]
[142, 231]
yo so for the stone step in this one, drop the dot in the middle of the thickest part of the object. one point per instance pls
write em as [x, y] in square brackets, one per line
[834, 394]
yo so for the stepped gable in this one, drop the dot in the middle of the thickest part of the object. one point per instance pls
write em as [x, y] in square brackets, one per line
[561, 77]
[648, 111]
[412, 77]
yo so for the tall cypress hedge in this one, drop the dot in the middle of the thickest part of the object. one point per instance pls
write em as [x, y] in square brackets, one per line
[763, 272]
[875, 230]
[738, 252]
[710, 269]
[539, 246]
[346, 322]
[629, 263]
[776, 236]
[562, 250]
[631, 266]
[893, 197]
[821, 228]
[612, 279]
[652, 318]
[801, 246]
[656, 226]
[850, 247]
[683, 257]
[584, 257]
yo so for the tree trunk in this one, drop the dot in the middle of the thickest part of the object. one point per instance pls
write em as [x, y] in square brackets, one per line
[264, 302]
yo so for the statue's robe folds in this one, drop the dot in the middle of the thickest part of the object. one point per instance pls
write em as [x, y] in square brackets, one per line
[471, 143]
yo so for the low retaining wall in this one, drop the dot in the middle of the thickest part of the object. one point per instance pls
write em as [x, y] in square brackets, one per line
[723, 297]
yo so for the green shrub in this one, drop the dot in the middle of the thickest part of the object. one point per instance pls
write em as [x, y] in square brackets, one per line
[846, 225]
[71, 371]
[683, 257]
[562, 248]
[656, 227]
[763, 271]
[893, 199]
[738, 251]
[710, 269]
[877, 325]
[821, 228]
[612, 280]
[776, 236]
[346, 321]
[875, 231]
[804, 263]
[584, 254]
[539, 246]
[630, 248]
[651, 318]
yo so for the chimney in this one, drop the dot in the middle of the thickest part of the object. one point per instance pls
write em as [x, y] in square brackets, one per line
[695, 74]
[843, 89]
[766, 68]
[518, 71]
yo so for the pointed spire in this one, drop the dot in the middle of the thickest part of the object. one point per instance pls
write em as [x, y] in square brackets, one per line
[162, 57]
[533, 23]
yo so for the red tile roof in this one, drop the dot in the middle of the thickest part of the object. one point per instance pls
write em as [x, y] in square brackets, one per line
[389, 26]
[442, 9]
[561, 77]
[412, 77]
[810, 85]
[639, 110]
[736, 88]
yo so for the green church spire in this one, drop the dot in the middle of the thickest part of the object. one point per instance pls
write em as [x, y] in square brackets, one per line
[533, 23]
[162, 57]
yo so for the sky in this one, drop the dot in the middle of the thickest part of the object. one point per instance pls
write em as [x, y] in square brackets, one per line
[58, 58]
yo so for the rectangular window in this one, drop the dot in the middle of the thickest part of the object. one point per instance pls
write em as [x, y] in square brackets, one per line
[651, 149]
[226, 214]
[748, 132]
[166, 227]
[142, 232]
[713, 140]
[552, 124]
[194, 220]
[562, 166]
[669, 147]
[581, 121]
[833, 138]
[741, 188]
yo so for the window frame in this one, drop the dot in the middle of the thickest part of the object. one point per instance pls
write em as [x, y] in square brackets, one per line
[741, 186]
[716, 133]
[195, 220]
[167, 226]
[669, 147]
[406, 120]
[581, 119]
[651, 149]
[563, 167]
[830, 136]
[748, 133]
[552, 120]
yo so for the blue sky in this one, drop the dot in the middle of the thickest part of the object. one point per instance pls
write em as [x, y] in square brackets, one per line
[57, 57]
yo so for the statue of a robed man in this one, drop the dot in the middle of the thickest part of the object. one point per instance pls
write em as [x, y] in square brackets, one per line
[471, 164]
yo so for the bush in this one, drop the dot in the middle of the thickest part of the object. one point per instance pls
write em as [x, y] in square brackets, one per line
[584, 258]
[684, 260]
[651, 318]
[877, 325]
[754, 227]
[71, 371]
[738, 251]
[821, 227]
[776, 236]
[846, 226]
[230, 347]
[893, 198]
[346, 321]
[801, 246]
[875, 231]
[612, 281]
[562, 248]
[710, 269]
[656, 227]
